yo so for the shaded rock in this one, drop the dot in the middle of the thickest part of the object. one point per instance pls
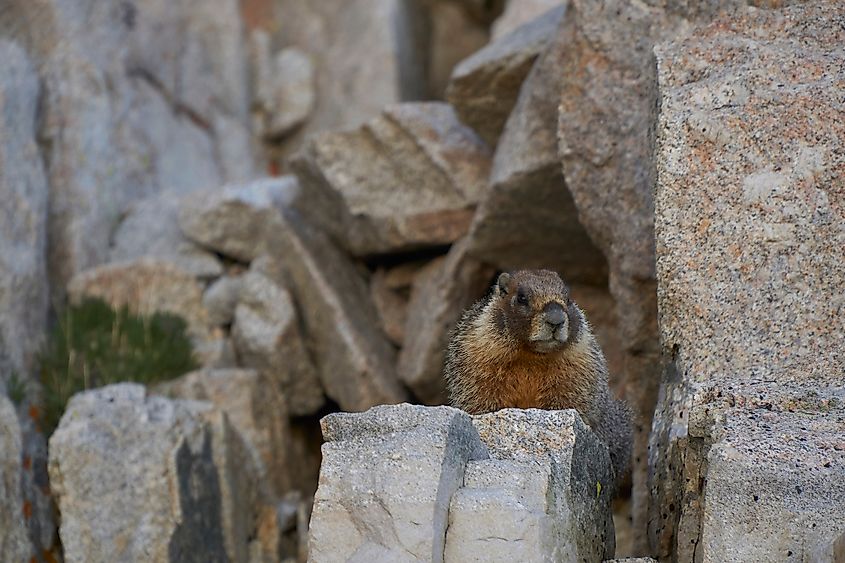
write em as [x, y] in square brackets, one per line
[124, 469]
[221, 298]
[151, 230]
[146, 286]
[539, 495]
[484, 87]
[408, 179]
[386, 480]
[256, 409]
[23, 217]
[391, 305]
[528, 218]
[285, 87]
[238, 220]
[455, 35]
[217, 352]
[744, 438]
[131, 94]
[600, 308]
[14, 542]
[267, 337]
[439, 296]
[353, 356]
[519, 12]
[355, 78]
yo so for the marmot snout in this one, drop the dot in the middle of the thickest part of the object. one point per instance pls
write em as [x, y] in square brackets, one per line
[528, 345]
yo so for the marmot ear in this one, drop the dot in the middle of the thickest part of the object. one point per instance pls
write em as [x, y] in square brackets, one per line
[502, 283]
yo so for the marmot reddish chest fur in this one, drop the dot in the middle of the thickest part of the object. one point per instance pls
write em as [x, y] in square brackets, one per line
[527, 345]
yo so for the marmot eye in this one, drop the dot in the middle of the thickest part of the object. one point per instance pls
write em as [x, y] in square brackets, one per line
[521, 298]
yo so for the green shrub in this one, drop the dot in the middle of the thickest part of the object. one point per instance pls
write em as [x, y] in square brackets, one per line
[94, 345]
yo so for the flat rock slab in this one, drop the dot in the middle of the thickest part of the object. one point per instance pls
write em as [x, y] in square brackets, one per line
[124, 469]
[408, 179]
[484, 87]
[749, 213]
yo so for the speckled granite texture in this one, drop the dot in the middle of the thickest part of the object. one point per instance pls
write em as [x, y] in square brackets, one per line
[747, 452]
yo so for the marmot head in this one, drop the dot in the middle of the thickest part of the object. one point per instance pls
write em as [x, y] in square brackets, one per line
[534, 307]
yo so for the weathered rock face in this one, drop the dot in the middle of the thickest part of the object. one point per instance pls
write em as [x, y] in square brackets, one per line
[406, 180]
[132, 92]
[124, 469]
[353, 356]
[539, 495]
[256, 410]
[239, 220]
[747, 451]
[528, 218]
[14, 543]
[151, 229]
[267, 337]
[520, 12]
[23, 217]
[415, 483]
[439, 296]
[484, 87]
[386, 480]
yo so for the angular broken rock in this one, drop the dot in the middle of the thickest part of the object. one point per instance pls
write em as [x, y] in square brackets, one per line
[221, 298]
[439, 296]
[528, 218]
[286, 89]
[267, 337]
[386, 480]
[354, 358]
[124, 469]
[519, 12]
[484, 87]
[544, 494]
[254, 407]
[746, 451]
[151, 230]
[238, 221]
[406, 180]
[455, 35]
[14, 541]
[391, 305]
[146, 286]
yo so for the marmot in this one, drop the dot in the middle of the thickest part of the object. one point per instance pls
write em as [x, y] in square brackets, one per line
[528, 345]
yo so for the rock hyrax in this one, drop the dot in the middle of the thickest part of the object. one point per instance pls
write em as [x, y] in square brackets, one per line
[528, 345]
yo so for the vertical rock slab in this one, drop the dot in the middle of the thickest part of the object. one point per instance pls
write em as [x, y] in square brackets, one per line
[23, 216]
[14, 542]
[439, 296]
[544, 494]
[355, 360]
[528, 218]
[749, 214]
[147, 478]
[406, 180]
[386, 480]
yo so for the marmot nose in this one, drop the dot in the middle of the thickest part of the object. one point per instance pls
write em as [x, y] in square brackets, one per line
[554, 314]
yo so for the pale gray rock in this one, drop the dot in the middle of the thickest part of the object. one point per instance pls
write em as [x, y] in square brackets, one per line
[238, 220]
[23, 217]
[124, 468]
[151, 229]
[256, 409]
[356, 78]
[221, 298]
[14, 541]
[519, 12]
[386, 480]
[267, 337]
[439, 296]
[528, 218]
[484, 87]
[746, 446]
[544, 494]
[286, 85]
[406, 180]
[354, 358]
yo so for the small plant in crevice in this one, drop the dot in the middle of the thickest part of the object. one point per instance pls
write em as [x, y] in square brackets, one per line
[93, 345]
[16, 388]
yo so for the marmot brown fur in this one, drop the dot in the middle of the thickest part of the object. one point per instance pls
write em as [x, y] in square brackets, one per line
[528, 345]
